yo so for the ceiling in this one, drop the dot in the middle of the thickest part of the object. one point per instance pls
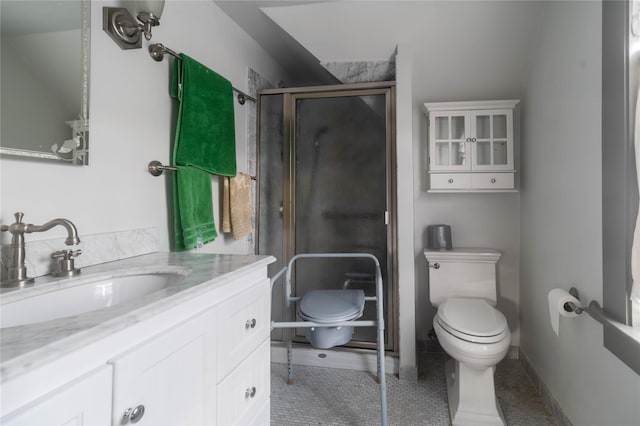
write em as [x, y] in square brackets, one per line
[303, 66]
[462, 50]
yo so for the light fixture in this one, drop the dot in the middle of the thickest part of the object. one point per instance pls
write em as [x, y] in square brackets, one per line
[125, 30]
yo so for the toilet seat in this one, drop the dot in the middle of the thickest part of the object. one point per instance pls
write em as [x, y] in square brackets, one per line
[472, 320]
[327, 306]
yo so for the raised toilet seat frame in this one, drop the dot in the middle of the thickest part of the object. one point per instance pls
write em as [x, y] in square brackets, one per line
[379, 322]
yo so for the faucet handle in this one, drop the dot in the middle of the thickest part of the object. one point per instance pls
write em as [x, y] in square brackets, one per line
[66, 254]
[66, 263]
[18, 216]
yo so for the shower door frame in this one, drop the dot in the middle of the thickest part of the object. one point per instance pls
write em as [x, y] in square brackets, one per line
[290, 98]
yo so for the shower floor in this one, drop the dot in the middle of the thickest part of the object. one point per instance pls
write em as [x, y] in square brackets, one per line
[326, 396]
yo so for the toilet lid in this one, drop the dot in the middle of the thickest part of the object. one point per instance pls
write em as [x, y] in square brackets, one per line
[472, 319]
[327, 306]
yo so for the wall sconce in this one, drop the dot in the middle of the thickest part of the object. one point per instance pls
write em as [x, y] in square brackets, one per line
[123, 28]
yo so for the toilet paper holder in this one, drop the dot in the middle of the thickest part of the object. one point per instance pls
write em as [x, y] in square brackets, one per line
[570, 306]
[596, 312]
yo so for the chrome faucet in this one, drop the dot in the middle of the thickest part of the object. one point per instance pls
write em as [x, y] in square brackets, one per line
[16, 270]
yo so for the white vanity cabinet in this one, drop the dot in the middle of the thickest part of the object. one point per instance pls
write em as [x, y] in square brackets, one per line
[471, 146]
[211, 369]
[198, 356]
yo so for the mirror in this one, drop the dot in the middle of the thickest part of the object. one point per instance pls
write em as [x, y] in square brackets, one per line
[44, 79]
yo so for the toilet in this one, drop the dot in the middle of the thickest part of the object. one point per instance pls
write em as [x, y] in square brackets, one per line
[327, 307]
[462, 285]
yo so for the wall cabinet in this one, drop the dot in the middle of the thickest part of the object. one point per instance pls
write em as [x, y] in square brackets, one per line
[471, 146]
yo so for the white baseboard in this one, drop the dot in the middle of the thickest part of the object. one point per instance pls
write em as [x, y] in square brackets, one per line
[343, 358]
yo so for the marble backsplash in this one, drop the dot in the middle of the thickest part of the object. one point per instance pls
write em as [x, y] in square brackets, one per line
[255, 82]
[362, 71]
[96, 249]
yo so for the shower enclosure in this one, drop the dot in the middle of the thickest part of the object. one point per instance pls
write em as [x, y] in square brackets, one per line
[325, 168]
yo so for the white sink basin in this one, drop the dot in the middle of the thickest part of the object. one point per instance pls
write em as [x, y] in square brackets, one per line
[86, 296]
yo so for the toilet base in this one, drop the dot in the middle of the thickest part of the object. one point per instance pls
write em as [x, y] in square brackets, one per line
[472, 396]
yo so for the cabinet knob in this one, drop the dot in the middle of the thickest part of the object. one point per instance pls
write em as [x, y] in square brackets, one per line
[493, 180]
[434, 265]
[133, 415]
[250, 324]
[250, 392]
[450, 181]
[468, 139]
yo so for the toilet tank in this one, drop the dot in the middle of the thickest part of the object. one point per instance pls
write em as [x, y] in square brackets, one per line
[462, 272]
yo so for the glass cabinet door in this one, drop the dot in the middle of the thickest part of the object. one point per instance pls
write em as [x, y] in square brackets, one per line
[491, 143]
[448, 132]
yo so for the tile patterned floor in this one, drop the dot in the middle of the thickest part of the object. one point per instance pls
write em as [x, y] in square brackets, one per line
[332, 397]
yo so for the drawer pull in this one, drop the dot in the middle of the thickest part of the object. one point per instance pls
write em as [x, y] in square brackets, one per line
[450, 181]
[250, 324]
[493, 180]
[133, 415]
[250, 392]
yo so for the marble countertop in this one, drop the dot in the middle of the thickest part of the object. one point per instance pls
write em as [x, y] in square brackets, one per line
[28, 346]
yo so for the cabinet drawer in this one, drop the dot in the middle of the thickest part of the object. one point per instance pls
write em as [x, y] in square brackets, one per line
[492, 181]
[245, 391]
[450, 180]
[244, 322]
[84, 401]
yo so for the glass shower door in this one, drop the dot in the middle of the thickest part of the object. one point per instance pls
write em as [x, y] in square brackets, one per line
[339, 197]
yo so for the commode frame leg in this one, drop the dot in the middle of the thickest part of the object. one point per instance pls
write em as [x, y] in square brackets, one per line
[289, 362]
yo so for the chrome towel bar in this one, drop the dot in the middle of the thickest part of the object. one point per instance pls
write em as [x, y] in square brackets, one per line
[157, 52]
[156, 168]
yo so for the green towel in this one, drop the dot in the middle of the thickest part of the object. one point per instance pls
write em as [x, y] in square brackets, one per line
[205, 132]
[204, 144]
[193, 210]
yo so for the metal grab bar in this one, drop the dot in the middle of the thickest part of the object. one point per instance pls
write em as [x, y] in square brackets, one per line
[594, 310]
[157, 52]
[624, 338]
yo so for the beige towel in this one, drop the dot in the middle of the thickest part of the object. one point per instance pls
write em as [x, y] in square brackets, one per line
[236, 205]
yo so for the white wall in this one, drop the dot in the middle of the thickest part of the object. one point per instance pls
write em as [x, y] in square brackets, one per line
[562, 221]
[132, 119]
[404, 197]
